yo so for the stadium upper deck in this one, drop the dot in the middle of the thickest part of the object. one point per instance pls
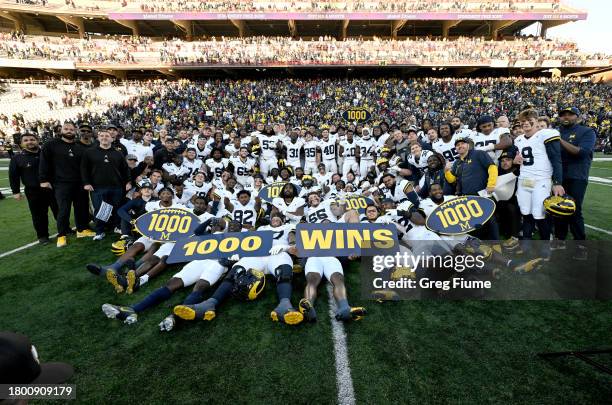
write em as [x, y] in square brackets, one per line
[339, 18]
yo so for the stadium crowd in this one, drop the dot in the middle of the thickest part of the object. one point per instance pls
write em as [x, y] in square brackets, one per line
[268, 50]
[302, 5]
[212, 147]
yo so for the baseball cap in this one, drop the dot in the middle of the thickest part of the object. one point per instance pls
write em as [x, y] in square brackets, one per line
[462, 139]
[111, 125]
[19, 363]
[131, 157]
[85, 125]
[573, 110]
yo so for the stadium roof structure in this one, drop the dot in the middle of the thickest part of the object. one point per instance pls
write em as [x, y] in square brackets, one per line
[110, 17]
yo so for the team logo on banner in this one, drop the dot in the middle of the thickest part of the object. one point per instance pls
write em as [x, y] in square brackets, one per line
[222, 245]
[271, 191]
[356, 202]
[167, 224]
[357, 114]
[460, 215]
[346, 239]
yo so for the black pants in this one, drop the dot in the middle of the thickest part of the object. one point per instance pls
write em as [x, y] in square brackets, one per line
[575, 223]
[67, 195]
[40, 200]
[509, 217]
[112, 196]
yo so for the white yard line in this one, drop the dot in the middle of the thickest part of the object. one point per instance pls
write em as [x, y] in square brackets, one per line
[19, 249]
[602, 160]
[344, 381]
[598, 229]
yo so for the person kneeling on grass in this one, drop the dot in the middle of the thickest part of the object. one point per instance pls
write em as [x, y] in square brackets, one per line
[202, 273]
[331, 268]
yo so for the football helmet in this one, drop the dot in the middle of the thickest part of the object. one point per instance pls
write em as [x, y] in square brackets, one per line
[560, 206]
[248, 284]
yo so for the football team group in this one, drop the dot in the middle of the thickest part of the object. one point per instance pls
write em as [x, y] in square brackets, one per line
[404, 170]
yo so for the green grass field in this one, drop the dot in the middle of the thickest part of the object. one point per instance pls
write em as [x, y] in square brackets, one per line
[404, 352]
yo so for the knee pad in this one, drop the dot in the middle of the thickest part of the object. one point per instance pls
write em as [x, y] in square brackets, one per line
[284, 273]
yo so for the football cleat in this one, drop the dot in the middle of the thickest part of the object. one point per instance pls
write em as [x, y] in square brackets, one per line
[385, 295]
[113, 278]
[167, 324]
[511, 244]
[352, 314]
[286, 314]
[204, 310]
[94, 269]
[133, 282]
[126, 314]
[86, 233]
[61, 241]
[529, 266]
[307, 310]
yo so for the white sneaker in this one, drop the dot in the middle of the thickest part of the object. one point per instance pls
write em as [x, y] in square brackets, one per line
[99, 236]
[167, 324]
[117, 230]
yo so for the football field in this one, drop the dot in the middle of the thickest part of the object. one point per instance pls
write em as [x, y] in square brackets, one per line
[402, 352]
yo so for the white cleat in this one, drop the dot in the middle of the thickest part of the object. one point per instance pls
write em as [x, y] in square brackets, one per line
[167, 324]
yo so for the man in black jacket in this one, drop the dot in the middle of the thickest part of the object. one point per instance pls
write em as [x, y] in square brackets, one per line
[60, 170]
[106, 174]
[24, 169]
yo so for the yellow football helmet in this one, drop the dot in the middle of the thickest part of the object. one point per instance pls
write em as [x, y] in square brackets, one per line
[560, 206]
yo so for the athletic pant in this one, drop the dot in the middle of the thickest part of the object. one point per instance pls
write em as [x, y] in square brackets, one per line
[577, 190]
[40, 200]
[67, 195]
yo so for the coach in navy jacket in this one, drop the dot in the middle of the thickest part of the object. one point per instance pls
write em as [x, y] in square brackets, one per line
[577, 143]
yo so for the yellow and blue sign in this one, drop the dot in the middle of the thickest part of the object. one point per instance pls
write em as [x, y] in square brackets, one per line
[356, 202]
[346, 239]
[271, 191]
[460, 215]
[222, 245]
[357, 114]
[167, 224]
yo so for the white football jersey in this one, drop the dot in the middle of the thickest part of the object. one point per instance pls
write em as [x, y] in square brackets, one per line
[421, 161]
[481, 140]
[536, 164]
[245, 214]
[268, 145]
[195, 189]
[216, 168]
[175, 170]
[349, 149]
[281, 233]
[428, 206]
[242, 168]
[293, 150]
[320, 213]
[155, 205]
[295, 204]
[328, 148]
[367, 148]
[310, 151]
[446, 149]
[192, 166]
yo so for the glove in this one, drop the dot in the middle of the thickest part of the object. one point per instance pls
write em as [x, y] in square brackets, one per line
[278, 249]
[234, 257]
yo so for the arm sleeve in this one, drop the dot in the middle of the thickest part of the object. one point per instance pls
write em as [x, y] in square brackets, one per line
[553, 150]
[85, 169]
[492, 170]
[14, 176]
[43, 165]
[587, 144]
[449, 176]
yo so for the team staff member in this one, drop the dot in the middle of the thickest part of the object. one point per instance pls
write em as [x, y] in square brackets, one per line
[577, 143]
[60, 169]
[24, 169]
[472, 172]
[106, 174]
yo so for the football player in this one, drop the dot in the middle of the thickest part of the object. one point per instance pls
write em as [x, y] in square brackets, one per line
[216, 164]
[243, 166]
[293, 147]
[539, 155]
[244, 210]
[331, 268]
[367, 148]
[445, 145]
[278, 264]
[191, 162]
[328, 146]
[311, 156]
[202, 273]
[490, 139]
[289, 204]
[349, 150]
[269, 145]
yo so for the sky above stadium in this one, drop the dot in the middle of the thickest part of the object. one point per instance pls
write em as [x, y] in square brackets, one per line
[592, 34]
